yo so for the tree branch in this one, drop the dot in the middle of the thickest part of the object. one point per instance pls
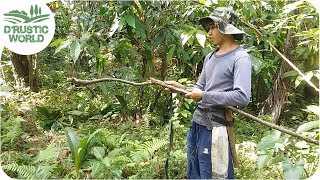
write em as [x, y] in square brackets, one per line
[283, 57]
[94, 81]
[183, 91]
[274, 126]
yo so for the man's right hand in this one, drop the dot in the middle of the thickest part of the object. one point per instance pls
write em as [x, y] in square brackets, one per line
[175, 84]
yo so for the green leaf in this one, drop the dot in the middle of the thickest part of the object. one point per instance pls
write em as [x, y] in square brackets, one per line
[302, 145]
[298, 80]
[75, 50]
[130, 20]
[140, 28]
[290, 7]
[186, 36]
[309, 75]
[291, 171]
[269, 141]
[106, 161]
[96, 168]
[75, 112]
[314, 109]
[93, 134]
[56, 42]
[98, 152]
[201, 37]
[72, 141]
[83, 143]
[43, 110]
[102, 11]
[290, 74]
[170, 54]
[85, 37]
[276, 159]
[264, 158]
[256, 63]
[63, 45]
[184, 113]
[116, 171]
[307, 126]
[122, 101]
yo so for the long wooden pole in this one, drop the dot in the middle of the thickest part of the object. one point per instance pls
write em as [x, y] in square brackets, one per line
[153, 81]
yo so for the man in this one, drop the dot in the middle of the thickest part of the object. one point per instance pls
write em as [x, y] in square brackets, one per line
[225, 80]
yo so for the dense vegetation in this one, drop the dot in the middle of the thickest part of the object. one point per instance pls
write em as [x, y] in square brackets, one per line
[51, 128]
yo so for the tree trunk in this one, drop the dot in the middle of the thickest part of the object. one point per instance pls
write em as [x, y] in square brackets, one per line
[23, 66]
[275, 102]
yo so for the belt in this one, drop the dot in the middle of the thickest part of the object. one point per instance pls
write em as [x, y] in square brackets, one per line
[217, 119]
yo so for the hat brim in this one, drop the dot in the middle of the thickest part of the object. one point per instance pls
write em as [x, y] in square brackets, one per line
[228, 29]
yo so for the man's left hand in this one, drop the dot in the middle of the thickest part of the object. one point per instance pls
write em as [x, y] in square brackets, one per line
[195, 94]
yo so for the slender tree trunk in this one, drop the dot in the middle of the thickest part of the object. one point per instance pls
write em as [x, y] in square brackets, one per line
[276, 100]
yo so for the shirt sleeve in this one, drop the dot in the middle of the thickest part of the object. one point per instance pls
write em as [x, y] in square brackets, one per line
[241, 93]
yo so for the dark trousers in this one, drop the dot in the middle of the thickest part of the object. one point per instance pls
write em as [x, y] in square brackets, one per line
[199, 153]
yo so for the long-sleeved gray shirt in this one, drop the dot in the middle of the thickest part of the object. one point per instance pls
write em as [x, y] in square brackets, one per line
[226, 81]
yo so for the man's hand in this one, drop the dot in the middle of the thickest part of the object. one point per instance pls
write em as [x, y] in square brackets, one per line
[195, 94]
[174, 84]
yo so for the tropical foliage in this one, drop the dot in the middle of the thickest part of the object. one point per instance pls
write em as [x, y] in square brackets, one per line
[114, 130]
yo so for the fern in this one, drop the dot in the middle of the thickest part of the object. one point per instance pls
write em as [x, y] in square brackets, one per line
[30, 172]
[148, 149]
[11, 128]
[154, 145]
[49, 154]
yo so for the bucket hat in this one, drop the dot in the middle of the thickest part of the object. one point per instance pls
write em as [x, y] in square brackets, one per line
[225, 19]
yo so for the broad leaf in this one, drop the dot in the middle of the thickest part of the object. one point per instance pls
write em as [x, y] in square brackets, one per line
[93, 135]
[130, 20]
[122, 101]
[307, 126]
[72, 141]
[302, 145]
[106, 161]
[63, 45]
[298, 81]
[85, 37]
[56, 42]
[170, 54]
[290, 74]
[264, 158]
[140, 28]
[186, 36]
[98, 152]
[269, 141]
[290, 7]
[75, 112]
[184, 113]
[291, 171]
[314, 109]
[96, 168]
[201, 37]
[75, 50]
[43, 110]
